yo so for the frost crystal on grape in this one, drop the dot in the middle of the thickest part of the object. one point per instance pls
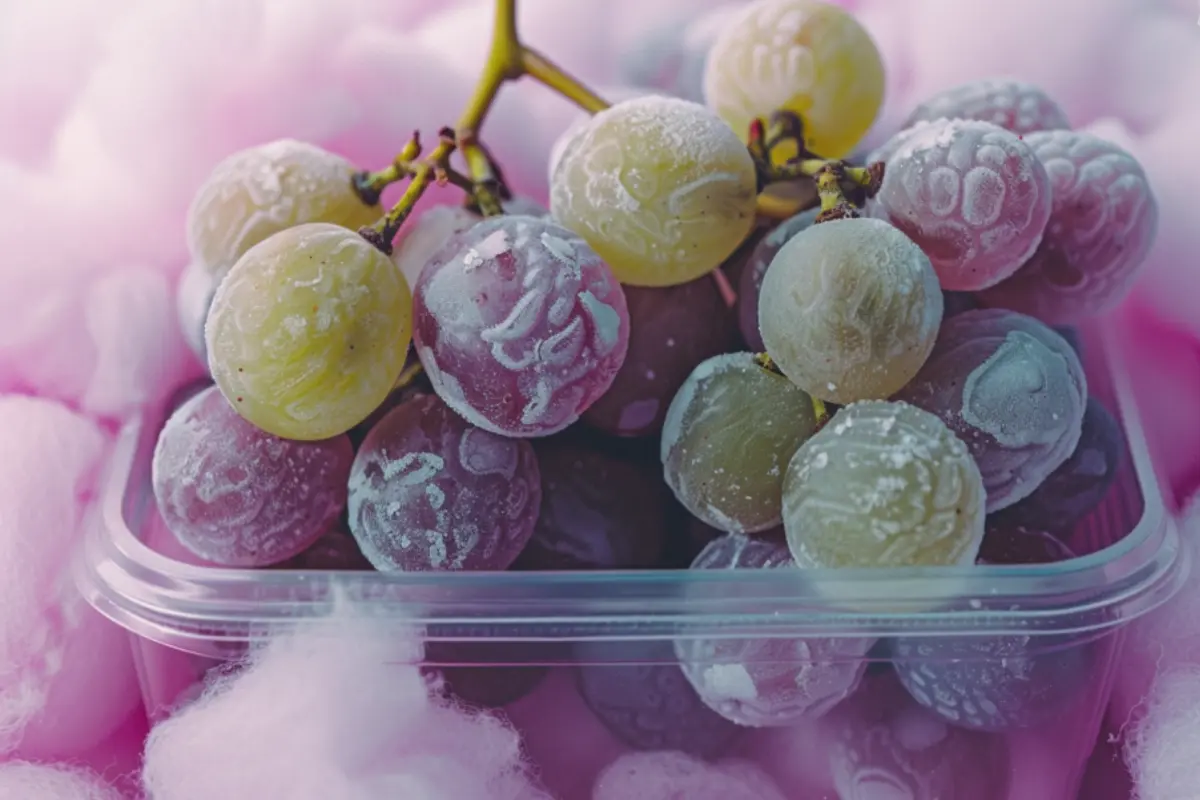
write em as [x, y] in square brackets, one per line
[520, 326]
[973, 196]
[750, 286]
[1013, 390]
[1016, 106]
[1102, 225]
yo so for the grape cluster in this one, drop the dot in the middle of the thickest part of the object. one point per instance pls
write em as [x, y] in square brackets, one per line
[511, 386]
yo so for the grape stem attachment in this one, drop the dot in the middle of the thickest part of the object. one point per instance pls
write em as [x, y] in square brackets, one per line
[820, 412]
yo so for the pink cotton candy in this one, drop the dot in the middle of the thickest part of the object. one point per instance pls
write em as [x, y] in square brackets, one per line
[21, 780]
[667, 775]
[334, 709]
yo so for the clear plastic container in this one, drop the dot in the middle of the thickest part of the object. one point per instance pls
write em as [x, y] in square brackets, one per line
[614, 632]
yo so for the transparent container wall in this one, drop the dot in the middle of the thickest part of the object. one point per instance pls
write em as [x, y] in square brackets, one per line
[954, 684]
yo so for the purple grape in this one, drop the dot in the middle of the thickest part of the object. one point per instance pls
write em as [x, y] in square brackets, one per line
[237, 496]
[597, 511]
[429, 491]
[756, 269]
[485, 679]
[1101, 229]
[1006, 543]
[520, 326]
[768, 682]
[1013, 105]
[646, 702]
[972, 195]
[1013, 390]
[886, 746]
[672, 329]
[1071, 492]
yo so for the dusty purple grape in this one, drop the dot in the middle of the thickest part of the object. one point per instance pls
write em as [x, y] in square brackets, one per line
[1101, 229]
[645, 700]
[520, 326]
[237, 496]
[597, 511]
[431, 492]
[768, 682]
[672, 329]
[1013, 105]
[972, 195]
[1013, 390]
[755, 270]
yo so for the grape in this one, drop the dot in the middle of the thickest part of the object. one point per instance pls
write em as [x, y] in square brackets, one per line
[597, 511]
[972, 195]
[886, 746]
[646, 702]
[672, 329]
[769, 682]
[428, 491]
[883, 485]
[1013, 390]
[1013, 105]
[885, 151]
[1073, 490]
[660, 187]
[335, 551]
[520, 326]
[761, 257]
[255, 193]
[193, 298]
[1102, 226]
[234, 495]
[1005, 542]
[672, 58]
[580, 124]
[850, 310]
[729, 433]
[309, 331]
[803, 56]
[1072, 337]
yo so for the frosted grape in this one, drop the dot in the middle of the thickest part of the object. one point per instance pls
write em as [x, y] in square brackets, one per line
[638, 691]
[1078, 486]
[972, 195]
[236, 496]
[309, 331]
[580, 124]
[750, 286]
[1016, 106]
[770, 682]
[672, 58]
[260, 191]
[597, 512]
[1013, 390]
[193, 298]
[883, 485]
[520, 326]
[672, 329]
[430, 492]
[727, 439]
[1101, 229]
[661, 188]
[849, 310]
[804, 56]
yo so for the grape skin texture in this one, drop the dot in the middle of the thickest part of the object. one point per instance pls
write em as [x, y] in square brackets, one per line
[614, 95]
[659, 187]
[883, 485]
[646, 702]
[768, 682]
[236, 496]
[597, 511]
[1101, 229]
[672, 329]
[1073, 490]
[429, 492]
[972, 195]
[262, 190]
[804, 56]
[750, 286]
[1013, 390]
[1013, 105]
[849, 310]
[309, 331]
[728, 436]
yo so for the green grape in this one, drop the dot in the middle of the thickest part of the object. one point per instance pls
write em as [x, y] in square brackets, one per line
[309, 331]
[808, 57]
[727, 439]
[659, 187]
[262, 190]
[850, 309]
[883, 485]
